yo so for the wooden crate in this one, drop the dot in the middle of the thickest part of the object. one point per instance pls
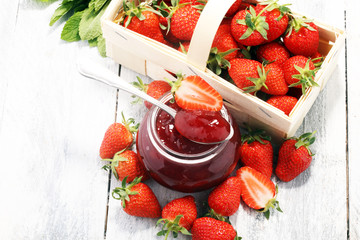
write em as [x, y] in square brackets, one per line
[149, 57]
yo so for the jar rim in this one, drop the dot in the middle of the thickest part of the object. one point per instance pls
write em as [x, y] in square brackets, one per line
[184, 158]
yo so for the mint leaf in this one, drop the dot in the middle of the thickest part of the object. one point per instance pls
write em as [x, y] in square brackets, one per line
[89, 25]
[61, 11]
[99, 4]
[101, 46]
[93, 42]
[70, 31]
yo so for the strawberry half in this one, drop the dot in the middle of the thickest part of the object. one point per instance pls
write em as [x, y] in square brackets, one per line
[258, 191]
[194, 93]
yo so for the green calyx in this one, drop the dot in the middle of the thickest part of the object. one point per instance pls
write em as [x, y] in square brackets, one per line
[305, 140]
[305, 77]
[175, 85]
[216, 61]
[254, 22]
[122, 193]
[132, 10]
[273, 4]
[171, 227]
[255, 135]
[217, 216]
[272, 203]
[130, 124]
[142, 87]
[295, 24]
[113, 163]
[258, 82]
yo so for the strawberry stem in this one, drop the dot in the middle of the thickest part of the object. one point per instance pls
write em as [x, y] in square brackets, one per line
[122, 193]
[171, 227]
[255, 135]
[305, 77]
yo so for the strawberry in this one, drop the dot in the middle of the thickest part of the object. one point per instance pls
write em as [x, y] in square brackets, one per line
[183, 22]
[184, 47]
[249, 28]
[143, 20]
[257, 152]
[317, 59]
[257, 191]
[155, 89]
[234, 8]
[126, 163]
[284, 103]
[117, 137]
[194, 93]
[138, 199]
[294, 157]
[178, 216]
[299, 72]
[241, 70]
[302, 37]
[224, 200]
[271, 80]
[272, 52]
[276, 17]
[224, 41]
[207, 228]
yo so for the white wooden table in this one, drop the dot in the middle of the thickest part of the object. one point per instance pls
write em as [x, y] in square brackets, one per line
[52, 121]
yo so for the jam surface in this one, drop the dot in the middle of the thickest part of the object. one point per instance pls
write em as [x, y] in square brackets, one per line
[170, 137]
[202, 126]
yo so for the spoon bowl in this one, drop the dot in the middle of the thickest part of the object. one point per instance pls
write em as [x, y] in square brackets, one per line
[90, 69]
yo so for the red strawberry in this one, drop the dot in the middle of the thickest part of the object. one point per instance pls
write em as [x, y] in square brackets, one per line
[317, 59]
[224, 41]
[234, 8]
[207, 228]
[257, 191]
[302, 38]
[178, 216]
[127, 164]
[272, 52]
[276, 17]
[183, 22]
[117, 137]
[138, 199]
[257, 152]
[246, 33]
[242, 69]
[155, 89]
[194, 93]
[149, 24]
[299, 72]
[294, 157]
[284, 103]
[274, 82]
[224, 200]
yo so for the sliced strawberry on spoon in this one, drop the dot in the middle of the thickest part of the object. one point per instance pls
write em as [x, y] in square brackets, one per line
[194, 93]
[258, 191]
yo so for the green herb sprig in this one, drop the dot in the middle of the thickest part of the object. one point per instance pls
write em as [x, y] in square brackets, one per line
[83, 22]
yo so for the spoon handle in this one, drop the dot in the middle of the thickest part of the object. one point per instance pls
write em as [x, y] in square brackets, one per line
[90, 69]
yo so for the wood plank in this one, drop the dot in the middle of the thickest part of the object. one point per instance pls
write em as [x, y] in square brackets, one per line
[52, 124]
[353, 102]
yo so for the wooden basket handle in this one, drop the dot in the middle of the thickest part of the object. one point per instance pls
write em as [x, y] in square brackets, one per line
[205, 30]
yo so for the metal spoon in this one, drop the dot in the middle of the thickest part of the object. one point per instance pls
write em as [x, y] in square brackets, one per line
[90, 69]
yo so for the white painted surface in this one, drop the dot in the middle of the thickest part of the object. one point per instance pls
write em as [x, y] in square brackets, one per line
[52, 121]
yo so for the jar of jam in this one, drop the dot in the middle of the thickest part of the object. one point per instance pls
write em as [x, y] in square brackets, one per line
[178, 163]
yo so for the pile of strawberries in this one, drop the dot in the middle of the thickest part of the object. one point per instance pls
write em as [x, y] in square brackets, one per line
[252, 182]
[261, 48]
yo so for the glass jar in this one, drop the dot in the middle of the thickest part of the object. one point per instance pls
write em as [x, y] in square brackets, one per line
[189, 168]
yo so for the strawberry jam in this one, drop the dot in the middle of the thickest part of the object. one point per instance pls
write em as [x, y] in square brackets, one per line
[178, 163]
[202, 126]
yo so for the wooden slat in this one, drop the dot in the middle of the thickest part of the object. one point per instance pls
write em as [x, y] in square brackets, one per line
[52, 121]
[353, 103]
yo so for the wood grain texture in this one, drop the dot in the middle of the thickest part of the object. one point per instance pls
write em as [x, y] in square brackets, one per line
[353, 52]
[52, 121]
